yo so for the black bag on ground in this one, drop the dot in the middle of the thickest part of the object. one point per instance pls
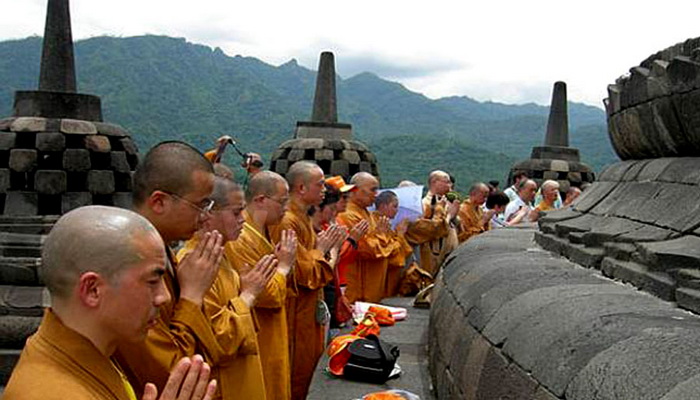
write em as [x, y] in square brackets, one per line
[371, 360]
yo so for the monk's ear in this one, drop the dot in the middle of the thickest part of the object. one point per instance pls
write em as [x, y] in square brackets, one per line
[157, 201]
[90, 289]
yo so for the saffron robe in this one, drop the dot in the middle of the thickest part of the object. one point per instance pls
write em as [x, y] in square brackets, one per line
[238, 371]
[57, 363]
[471, 221]
[396, 263]
[270, 312]
[367, 275]
[431, 232]
[310, 274]
[181, 330]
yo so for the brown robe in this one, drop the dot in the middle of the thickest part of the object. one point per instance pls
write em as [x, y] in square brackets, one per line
[470, 217]
[432, 233]
[311, 273]
[58, 363]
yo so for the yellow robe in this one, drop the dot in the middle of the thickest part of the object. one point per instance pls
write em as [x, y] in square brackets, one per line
[238, 371]
[367, 275]
[431, 233]
[311, 273]
[397, 262]
[471, 223]
[269, 310]
[182, 330]
[58, 363]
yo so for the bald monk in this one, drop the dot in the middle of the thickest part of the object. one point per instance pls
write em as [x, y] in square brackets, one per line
[366, 277]
[387, 205]
[310, 274]
[102, 294]
[230, 300]
[473, 220]
[267, 196]
[434, 229]
[172, 185]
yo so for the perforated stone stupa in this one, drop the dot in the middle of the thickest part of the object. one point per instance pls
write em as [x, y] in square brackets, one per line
[556, 160]
[323, 139]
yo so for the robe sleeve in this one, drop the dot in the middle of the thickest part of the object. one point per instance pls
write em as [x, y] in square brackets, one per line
[243, 256]
[470, 223]
[425, 230]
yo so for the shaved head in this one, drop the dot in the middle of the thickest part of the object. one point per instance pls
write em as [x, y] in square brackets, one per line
[367, 186]
[264, 183]
[361, 178]
[168, 167]
[104, 240]
[222, 188]
[301, 172]
[477, 187]
[385, 197]
[437, 175]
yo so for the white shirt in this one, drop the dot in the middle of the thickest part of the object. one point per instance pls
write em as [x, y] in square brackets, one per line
[513, 207]
[511, 193]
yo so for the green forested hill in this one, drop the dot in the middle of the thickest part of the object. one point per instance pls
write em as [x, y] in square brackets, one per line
[160, 87]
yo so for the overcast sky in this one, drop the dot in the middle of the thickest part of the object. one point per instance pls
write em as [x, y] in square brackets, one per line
[507, 51]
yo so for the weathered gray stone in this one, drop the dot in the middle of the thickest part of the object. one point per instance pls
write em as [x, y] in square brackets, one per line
[100, 182]
[5, 124]
[76, 160]
[74, 126]
[296, 155]
[647, 233]
[615, 172]
[308, 144]
[97, 143]
[609, 229]
[23, 160]
[682, 170]
[687, 389]
[639, 275]
[340, 167]
[620, 251]
[28, 124]
[366, 167]
[22, 300]
[50, 141]
[110, 129]
[688, 298]
[129, 146]
[21, 203]
[581, 224]
[123, 182]
[119, 162]
[683, 252]
[14, 330]
[282, 166]
[19, 271]
[50, 182]
[323, 154]
[7, 140]
[589, 257]
[123, 200]
[72, 200]
[351, 156]
[4, 180]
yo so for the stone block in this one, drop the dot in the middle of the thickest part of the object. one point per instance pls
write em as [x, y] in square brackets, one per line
[323, 154]
[23, 160]
[97, 143]
[688, 298]
[110, 129]
[72, 200]
[296, 155]
[50, 182]
[281, 166]
[620, 251]
[119, 162]
[19, 271]
[639, 275]
[22, 300]
[5, 123]
[335, 144]
[80, 127]
[123, 200]
[7, 140]
[28, 124]
[615, 172]
[308, 144]
[76, 160]
[682, 170]
[100, 182]
[351, 156]
[123, 182]
[129, 146]
[14, 330]
[589, 257]
[502, 380]
[553, 175]
[366, 167]
[50, 141]
[4, 180]
[340, 167]
[21, 203]
[646, 233]
[683, 252]
[559, 166]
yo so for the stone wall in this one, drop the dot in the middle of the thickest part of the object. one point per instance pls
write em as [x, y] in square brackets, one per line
[512, 321]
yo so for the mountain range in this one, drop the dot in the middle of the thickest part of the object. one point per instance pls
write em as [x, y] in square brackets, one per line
[161, 88]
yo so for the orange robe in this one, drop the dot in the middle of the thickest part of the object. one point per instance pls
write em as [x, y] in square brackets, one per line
[269, 309]
[311, 273]
[431, 233]
[182, 330]
[397, 262]
[367, 275]
[238, 371]
[471, 221]
[57, 363]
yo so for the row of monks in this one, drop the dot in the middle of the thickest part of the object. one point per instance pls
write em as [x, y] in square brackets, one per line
[237, 312]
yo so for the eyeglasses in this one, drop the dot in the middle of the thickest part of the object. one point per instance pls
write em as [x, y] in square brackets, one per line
[281, 202]
[204, 208]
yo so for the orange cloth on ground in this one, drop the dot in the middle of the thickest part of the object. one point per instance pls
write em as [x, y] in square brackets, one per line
[58, 363]
[367, 275]
[270, 311]
[368, 326]
[311, 273]
[397, 262]
[182, 330]
[338, 354]
[382, 315]
[238, 372]
[430, 232]
[471, 221]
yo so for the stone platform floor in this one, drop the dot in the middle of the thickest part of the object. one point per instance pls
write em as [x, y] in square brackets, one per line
[411, 336]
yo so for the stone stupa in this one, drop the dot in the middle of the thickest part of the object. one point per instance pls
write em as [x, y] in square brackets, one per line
[324, 140]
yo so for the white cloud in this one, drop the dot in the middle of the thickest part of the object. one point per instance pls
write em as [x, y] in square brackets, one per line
[508, 50]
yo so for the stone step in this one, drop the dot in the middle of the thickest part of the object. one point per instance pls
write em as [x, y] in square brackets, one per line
[14, 330]
[27, 301]
[28, 228]
[20, 271]
[658, 283]
[8, 360]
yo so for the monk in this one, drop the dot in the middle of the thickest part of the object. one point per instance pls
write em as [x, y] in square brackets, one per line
[229, 301]
[472, 219]
[367, 275]
[172, 185]
[435, 231]
[387, 205]
[267, 196]
[311, 273]
[102, 294]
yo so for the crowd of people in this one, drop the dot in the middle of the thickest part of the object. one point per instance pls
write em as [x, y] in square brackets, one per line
[242, 309]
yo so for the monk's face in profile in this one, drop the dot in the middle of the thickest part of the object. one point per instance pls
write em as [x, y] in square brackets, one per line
[314, 188]
[389, 210]
[229, 220]
[276, 205]
[187, 213]
[441, 185]
[130, 304]
[479, 197]
[366, 191]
